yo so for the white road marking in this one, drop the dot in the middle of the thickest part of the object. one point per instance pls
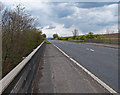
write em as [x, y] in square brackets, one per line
[89, 73]
[91, 50]
[87, 48]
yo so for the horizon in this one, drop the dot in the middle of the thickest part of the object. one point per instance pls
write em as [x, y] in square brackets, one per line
[62, 18]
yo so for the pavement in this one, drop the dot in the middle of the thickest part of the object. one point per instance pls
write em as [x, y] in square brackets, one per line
[99, 60]
[58, 74]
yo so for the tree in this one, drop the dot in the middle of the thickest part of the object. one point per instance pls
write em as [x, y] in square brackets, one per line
[90, 35]
[19, 37]
[55, 35]
[44, 35]
[109, 32]
[75, 33]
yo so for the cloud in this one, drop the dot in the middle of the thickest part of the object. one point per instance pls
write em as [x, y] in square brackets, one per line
[49, 27]
[65, 17]
[95, 4]
[93, 19]
[60, 30]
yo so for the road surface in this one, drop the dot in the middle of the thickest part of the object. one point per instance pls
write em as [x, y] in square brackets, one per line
[58, 74]
[101, 61]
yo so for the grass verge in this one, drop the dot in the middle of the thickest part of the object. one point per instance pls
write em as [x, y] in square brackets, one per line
[47, 42]
[73, 41]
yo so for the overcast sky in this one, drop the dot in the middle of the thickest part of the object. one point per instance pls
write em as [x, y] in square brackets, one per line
[63, 17]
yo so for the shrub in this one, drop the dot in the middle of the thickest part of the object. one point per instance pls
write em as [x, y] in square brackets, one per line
[77, 38]
[66, 38]
[20, 37]
[70, 38]
[90, 35]
[83, 37]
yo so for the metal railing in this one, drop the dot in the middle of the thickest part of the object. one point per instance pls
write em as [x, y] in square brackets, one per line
[20, 79]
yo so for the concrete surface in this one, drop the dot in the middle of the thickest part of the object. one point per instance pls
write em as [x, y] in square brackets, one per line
[60, 75]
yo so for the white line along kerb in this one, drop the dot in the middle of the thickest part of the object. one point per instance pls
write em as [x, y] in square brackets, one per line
[92, 75]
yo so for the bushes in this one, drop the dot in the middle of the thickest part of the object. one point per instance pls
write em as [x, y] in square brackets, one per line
[83, 37]
[99, 37]
[90, 35]
[76, 38]
[20, 37]
[65, 38]
[70, 38]
[61, 38]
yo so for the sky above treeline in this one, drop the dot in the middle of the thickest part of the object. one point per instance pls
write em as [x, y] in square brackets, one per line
[62, 17]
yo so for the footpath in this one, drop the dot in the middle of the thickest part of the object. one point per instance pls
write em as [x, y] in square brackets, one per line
[57, 74]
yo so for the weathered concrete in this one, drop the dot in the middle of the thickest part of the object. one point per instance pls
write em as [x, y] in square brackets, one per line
[60, 75]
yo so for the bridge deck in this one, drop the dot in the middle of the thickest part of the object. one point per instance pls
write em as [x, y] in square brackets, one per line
[58, 74]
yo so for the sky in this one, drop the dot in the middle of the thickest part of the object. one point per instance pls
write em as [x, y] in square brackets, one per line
[62, 17]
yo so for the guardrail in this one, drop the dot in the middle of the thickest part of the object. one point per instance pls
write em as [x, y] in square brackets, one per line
[20, 79]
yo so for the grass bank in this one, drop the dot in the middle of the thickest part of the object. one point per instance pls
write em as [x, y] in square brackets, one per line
[47, 42]
[72, 41]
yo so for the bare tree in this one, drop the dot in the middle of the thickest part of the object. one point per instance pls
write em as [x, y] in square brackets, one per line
[19, 36]
[109, 32]
[75, 33]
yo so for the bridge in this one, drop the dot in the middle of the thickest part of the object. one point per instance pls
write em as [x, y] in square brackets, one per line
[55, 68]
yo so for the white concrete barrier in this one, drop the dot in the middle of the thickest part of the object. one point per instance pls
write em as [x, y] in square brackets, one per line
[13, 73]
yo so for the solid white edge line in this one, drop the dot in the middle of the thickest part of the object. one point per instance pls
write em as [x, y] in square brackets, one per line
[88, 72]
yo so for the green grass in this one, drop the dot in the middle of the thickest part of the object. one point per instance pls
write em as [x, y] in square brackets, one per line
[47, 42]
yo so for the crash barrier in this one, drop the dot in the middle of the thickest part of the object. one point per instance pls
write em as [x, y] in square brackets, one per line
[20, 79]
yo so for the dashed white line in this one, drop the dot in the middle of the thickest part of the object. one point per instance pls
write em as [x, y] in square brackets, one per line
[91, 50]
[87, 48]
[88, 72]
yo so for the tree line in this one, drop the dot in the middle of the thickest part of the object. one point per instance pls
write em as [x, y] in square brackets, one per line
[19, 36]
[75, 36]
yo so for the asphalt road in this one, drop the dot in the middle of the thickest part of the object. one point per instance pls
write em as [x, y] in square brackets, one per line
[58, 74]
[101, 61]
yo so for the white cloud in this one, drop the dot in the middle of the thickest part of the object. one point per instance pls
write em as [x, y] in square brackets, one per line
[104, 31]
[60, 30]
[95, 19]
[65, 17]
